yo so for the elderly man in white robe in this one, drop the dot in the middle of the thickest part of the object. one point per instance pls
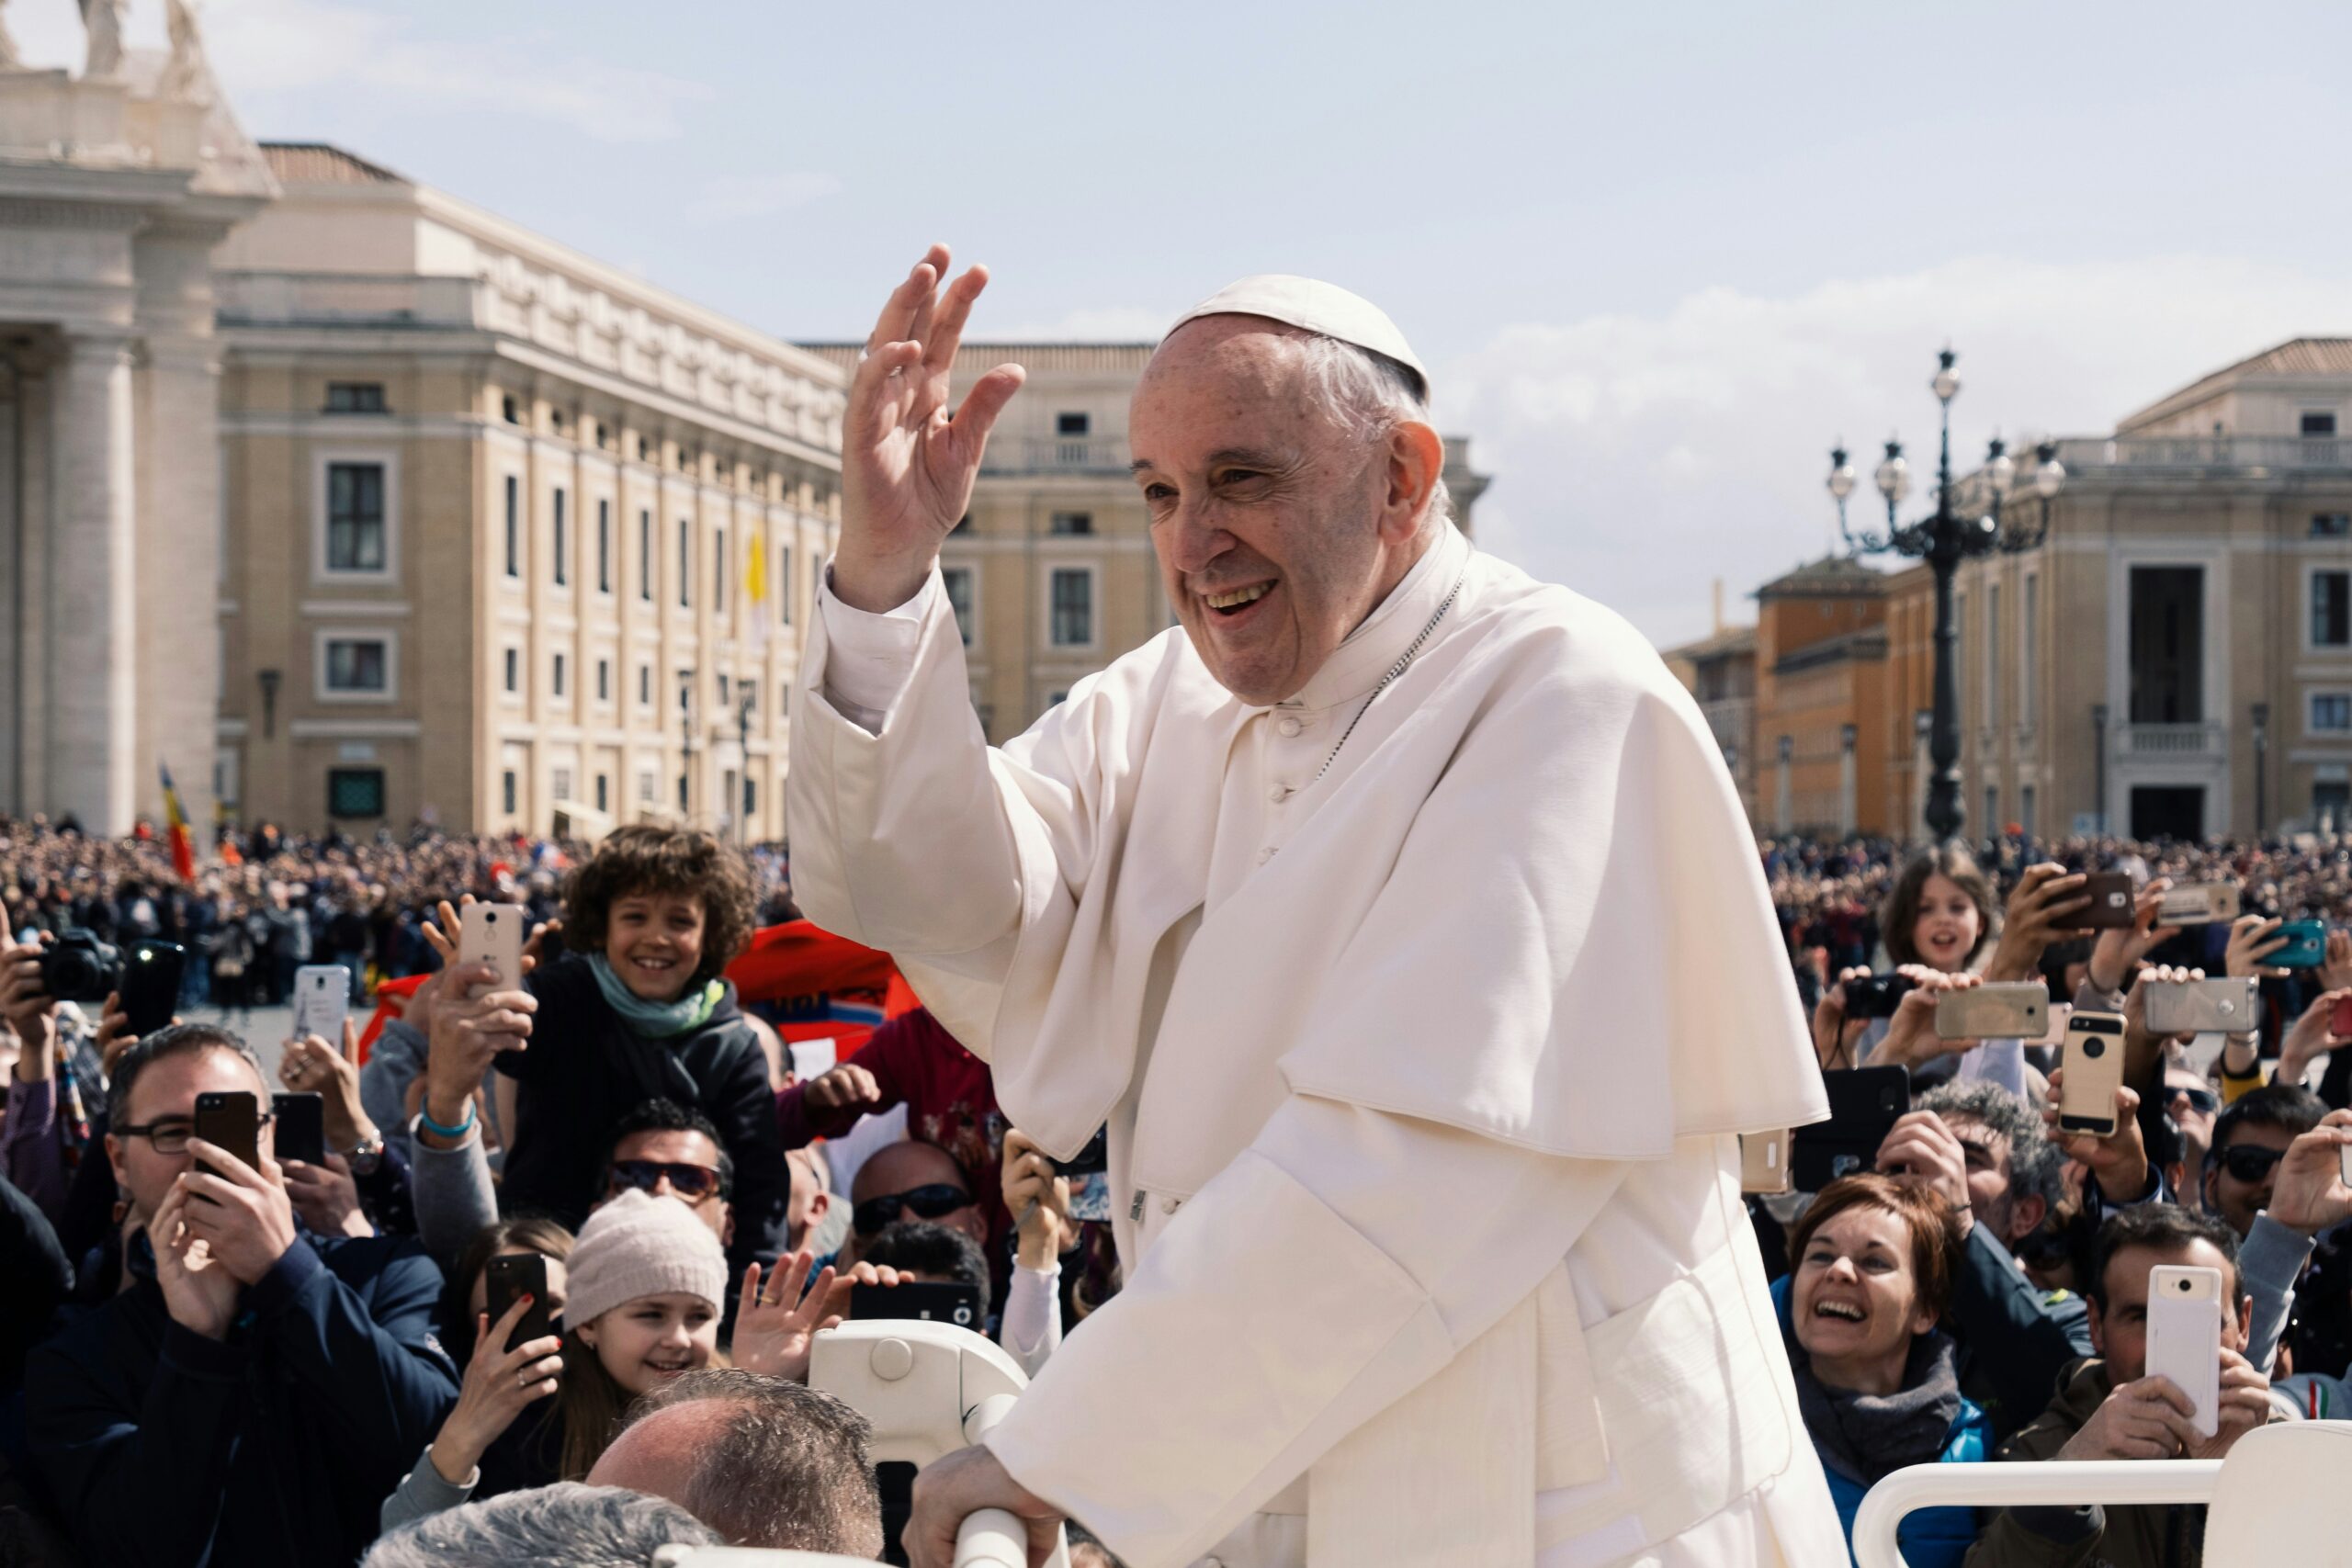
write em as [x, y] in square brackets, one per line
[1397, 915]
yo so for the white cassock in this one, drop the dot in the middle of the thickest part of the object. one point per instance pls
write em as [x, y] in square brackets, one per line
[1421, 1062]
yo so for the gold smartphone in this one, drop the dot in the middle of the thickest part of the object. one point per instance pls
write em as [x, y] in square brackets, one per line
[2092, 1060]
[2200, 904]
[1764, 1163]
[2007, 1009]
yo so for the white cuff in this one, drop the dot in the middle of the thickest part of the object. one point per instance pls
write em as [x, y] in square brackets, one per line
[869, 658]
[1029, 1307]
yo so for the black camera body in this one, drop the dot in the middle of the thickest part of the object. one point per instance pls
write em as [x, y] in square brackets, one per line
[1876, 996]
[78, 967]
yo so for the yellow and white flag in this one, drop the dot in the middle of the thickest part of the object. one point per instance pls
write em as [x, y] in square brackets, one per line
[755, 584]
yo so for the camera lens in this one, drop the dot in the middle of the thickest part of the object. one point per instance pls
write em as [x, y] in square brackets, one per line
[2094, 1046]
[2184, 1287]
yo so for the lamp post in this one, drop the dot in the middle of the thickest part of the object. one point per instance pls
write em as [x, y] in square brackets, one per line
[743, 745]
[2099, 761]
[1944, 540]
[685, 745]
[2261, 747]
[269, 679]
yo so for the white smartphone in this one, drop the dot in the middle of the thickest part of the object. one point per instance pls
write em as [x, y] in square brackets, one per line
[322, 1001]
[494, 934]
[2056, 1034]
[2184, 1337]
[2092, 1059]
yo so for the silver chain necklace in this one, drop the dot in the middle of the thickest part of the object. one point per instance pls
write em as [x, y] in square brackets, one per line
[1394, 670]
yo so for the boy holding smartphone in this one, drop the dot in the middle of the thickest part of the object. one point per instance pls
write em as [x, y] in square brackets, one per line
[254, 1391]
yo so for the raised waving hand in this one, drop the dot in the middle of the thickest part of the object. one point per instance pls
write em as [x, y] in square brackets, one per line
[907, 457]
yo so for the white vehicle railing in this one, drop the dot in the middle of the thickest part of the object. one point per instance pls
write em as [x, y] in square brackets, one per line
[2051, 1485]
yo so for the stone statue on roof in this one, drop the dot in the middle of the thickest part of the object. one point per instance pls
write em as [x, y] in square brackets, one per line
[9, 59]
[187, 76]
[102, 20]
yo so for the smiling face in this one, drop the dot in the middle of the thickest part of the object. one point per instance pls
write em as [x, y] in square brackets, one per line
[1277, 527]
[1948, 927]
[1855, 1299]
[653, 941]
[646, 1342]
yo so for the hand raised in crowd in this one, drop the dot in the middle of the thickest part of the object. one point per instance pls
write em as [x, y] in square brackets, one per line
[2244, 1405]
[499, 1385]
[1038, 1199]
[2254, 939]
[1921, 1146]
[2334, 972]
[326, 1198]
[468, 1033]
[2309, 1193]
[2119, 1161]
[776, 1326]
[2116, 955]
[2148, 1418]
[28, 1010]
[2139, 1047]
[1911, 1038]
[2047, 906]
[2310, 1038]
[243, 1215]
[907, 457]
[1834, 1034]
[441, 932]
[310, 1066]
[846, 1087]
[199, 1293]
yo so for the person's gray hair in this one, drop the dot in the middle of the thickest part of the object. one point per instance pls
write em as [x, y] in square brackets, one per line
[790, 1469]
[563, 1525]
[1367, 394]
[2034, 1160]
[178, 1040]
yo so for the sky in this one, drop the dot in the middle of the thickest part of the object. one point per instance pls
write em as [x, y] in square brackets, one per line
[1658, 257]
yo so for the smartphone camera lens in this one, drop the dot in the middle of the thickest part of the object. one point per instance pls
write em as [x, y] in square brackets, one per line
[2094, 1046]
[2184, 1287]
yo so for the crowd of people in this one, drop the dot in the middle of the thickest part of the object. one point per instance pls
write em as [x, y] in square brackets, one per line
[213, 1356]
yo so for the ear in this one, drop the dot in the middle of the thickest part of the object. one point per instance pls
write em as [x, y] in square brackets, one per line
[1416, 461]
[2026, 1214]
[2205, 1188]
[727, 1226]
[2098, 1326]
[113, 1159]
[820, 1203]
[586, 1334]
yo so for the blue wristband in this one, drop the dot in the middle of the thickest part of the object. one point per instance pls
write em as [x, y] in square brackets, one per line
[425, 1121]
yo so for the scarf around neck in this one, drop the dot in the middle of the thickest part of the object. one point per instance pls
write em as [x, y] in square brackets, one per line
[1868, 1436]
[655, 1020]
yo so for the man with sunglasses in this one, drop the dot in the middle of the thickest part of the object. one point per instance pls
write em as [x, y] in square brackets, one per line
[912, 1180]
[665, 1148]
[2249, 1138]
[248, 1392]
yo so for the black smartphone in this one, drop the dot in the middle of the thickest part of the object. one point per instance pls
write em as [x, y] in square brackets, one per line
[1875, 995]
[151, 984]
[932, 1301]
[300, 1129]
[509, 1276]
[1094, 1159]
[230, 1121]
[2115, 903]
[1864, 1105]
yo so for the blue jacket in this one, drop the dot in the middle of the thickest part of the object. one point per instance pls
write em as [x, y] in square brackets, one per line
[272, 1448]
[1930, 1538]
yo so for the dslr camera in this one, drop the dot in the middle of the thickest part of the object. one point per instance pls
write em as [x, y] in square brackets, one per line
[78, 967]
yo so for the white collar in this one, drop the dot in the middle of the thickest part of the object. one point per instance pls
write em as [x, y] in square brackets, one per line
[1356, 666]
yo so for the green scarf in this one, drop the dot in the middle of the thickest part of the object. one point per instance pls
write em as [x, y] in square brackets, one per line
[655, 1020]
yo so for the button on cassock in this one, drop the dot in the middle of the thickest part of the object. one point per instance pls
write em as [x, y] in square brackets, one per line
[1290, 726]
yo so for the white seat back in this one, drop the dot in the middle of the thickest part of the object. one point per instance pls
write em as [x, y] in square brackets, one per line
[2277, 1499]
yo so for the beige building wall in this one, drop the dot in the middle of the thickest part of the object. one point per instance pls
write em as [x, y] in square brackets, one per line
[605, 651]
[1055, 511]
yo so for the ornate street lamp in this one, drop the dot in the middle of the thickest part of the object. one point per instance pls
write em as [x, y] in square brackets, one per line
[1944, 540]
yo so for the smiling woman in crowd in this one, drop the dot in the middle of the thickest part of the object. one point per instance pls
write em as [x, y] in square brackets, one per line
[1877, 1381]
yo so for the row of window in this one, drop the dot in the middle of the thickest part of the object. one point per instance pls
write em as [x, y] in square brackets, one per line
[1070, 591]
[648, 790]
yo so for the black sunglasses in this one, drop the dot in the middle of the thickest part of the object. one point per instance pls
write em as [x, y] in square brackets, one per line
[2250, 1162]
[2202, 1100]
[929, 1201]
[694, 1182]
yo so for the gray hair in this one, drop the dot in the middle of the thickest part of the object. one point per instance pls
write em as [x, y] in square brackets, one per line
[563, 1525]
[789, 1471]
[2034, 1160]
[1368, 394]
[178, 1040]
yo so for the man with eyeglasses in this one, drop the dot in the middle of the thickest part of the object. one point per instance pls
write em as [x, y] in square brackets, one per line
[246, 1393]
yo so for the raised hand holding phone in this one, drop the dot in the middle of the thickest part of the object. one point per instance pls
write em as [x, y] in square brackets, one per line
[2312, 1190]
[2184, 1311]
[242, 1212]
[500, 1384]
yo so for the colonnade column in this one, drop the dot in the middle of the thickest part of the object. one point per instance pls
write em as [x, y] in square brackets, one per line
[93, 579]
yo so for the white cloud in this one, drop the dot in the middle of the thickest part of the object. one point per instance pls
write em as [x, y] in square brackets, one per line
[1637, 457]
[726, 199]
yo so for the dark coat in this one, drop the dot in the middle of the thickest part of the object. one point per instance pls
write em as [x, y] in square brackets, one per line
[585, 1069]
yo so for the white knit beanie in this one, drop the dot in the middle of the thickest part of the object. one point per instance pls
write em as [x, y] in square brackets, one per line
[640, 1245]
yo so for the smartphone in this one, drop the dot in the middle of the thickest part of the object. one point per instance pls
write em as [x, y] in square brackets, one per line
[299, 1129]
[231, 1121]
[509, 1276]
[2184, 1337]
[2306, 946]
[1764, 1163]
[2018, 1010]
[932, 1301]
[2200, 904]
[1864, 1105]
[151, 984]
[2092, 1059]
[2112, 898]
[2203, 1007]
[322, 1001]
[1875, 995]
[2056, 1035]
[494, 934]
